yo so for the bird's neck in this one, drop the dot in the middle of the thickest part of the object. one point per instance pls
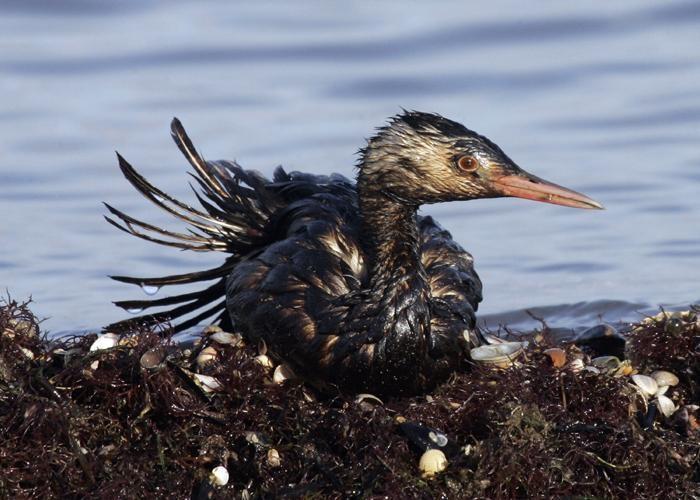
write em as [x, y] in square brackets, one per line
[390, 232]
[398, 283]
[392, 241]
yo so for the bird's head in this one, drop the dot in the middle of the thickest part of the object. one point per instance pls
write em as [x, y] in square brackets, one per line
[424, 158]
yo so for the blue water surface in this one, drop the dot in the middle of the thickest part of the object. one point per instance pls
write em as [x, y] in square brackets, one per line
[603, 97]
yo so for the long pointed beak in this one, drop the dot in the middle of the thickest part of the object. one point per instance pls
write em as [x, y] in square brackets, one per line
[531, 187]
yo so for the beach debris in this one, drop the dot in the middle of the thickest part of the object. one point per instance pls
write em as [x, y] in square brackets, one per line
[557, 356]
[665, 405]
[283, 373]
[576, 365]
[646, 384]
[423, 438]
[226, 338]
[606, 363]
[603, 340]
[206, 356]
[257, 438]
[432, 462]
[273, 458]
[675, 324]
[664, 378]
[497, 355]
[211, 329]
[105, 341]
[21, 327]
[206, 382]
[368, 401]
[264, 360]
[152, 358]
[685, 420]
[219, 476]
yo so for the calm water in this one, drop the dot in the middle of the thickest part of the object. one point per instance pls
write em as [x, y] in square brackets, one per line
[603, 98]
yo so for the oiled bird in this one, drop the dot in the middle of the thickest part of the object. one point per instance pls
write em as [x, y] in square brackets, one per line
[343, 280]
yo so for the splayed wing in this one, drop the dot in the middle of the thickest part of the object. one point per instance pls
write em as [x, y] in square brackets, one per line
[235, 208]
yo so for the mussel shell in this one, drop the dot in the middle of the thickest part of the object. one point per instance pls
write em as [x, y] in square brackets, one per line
[422, 438]
[603, 340]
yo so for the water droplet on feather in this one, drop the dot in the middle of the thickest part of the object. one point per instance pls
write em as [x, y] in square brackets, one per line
[149, 289]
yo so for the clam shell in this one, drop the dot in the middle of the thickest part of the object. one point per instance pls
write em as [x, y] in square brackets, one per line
[663, 377]
[432, 462]
[206, 356]
[106, 341]
[225, 338]
[499, 355]
[264, 360]
[665, 405]
[646, 384]
[370, 398]
[283, 372]
[557, 356]
[207, 383]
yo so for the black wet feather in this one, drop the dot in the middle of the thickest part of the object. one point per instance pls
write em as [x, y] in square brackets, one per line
[313, 272]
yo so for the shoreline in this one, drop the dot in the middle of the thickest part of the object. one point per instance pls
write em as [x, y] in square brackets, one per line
[140, 414]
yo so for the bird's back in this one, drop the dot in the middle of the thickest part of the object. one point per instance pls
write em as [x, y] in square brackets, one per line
[307, 292]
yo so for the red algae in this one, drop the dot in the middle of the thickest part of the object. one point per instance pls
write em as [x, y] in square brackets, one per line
[135, 420]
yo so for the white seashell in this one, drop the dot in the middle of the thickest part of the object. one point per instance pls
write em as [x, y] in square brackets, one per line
[501, 355]
[273, 458]
[225, 338]
[576, 365]
[432, 462]
[219, 476]
[27, 353]
[665, 405]
[254, 437]
[106, 341]
[370, 398]
[95, 364]
[283, 372]
[206, 356]
[663, 377]
[438, 438]
[264, 360]
[661, 390]
[207, 383]
[647, 384]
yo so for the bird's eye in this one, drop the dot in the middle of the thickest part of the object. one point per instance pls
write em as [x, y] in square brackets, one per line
[467, 163]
